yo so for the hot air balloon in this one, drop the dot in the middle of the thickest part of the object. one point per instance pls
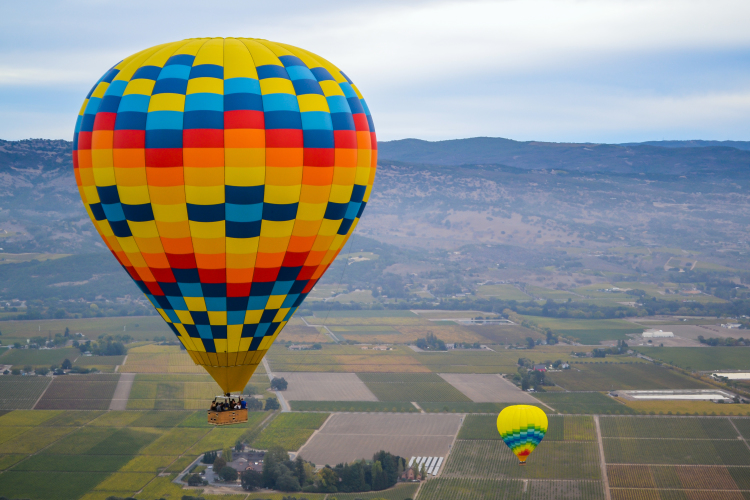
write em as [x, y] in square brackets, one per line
[225, 175]
[522, 428]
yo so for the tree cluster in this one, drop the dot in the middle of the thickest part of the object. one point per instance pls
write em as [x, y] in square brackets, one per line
[381, 473]
[279, 384]
[722, 341]
[431, 343]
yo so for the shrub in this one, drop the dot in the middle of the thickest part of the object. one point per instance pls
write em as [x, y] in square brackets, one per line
[195, 480]
[228, 473]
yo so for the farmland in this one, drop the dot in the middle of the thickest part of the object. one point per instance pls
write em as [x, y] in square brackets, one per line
[676, 451]
[325, 387]
[484, 427]
[290, 430]
[353, 406]
[140, 328]
[411, 387]
[79, 392]
[588, 332]
[493, 459]
[21, 392]
[486, 388]
[38, 357]
[688, 428]
[714, 358]
[620, 376]
[583, 402]
[510, 489]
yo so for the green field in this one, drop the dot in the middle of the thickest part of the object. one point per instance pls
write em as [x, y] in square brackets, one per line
[583, 403]
[503, 292]
[38, 357]
[676, 451]
[551, 460]
[587, 331]
[21, 392]
[620, 376]
[289, 430]
[358, 406]
[687, 428]
[411, 387]
[511, 489]
[173, 392]
[712, 358]
[484, 427]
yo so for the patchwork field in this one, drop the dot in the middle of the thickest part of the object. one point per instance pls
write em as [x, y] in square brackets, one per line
[19, 393]
[411, 387]
[510, 489]
[153, 358]
[348, 437]
[325, 387]
[584, 403]
[79, 392]
[354, 406]
[620, 376]
[484, 427]
[487, 388]
[713, 358]
[38, 357]
[289, 430]
[139, 328]
[346, 359]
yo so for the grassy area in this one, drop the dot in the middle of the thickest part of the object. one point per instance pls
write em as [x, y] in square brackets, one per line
[289, 430]
[21, 392]
[608, 376]
[56, 485]
[587, 331]
[584, 403]
[38, 357]
[712, 358]
[411, 387]
[483, 427]
[358, 406]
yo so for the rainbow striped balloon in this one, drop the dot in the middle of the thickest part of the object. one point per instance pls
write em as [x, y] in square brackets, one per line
[522, 428]
[225, 175]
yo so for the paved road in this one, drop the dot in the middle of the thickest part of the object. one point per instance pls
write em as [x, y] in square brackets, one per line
[284, 405]
[122, 392]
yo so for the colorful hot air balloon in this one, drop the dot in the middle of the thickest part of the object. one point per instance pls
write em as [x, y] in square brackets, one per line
[522, 427]
[225, 175]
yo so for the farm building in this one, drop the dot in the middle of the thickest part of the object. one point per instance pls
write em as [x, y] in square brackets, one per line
[540, 368]
[242, 461]
[652, 333]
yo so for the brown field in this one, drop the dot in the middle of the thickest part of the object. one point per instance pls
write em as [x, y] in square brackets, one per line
[623, 494]
[325, 387]
[487, 388]
[447, 333]
[348, 437]
[79, 392]
[505, 334]
[673, 477]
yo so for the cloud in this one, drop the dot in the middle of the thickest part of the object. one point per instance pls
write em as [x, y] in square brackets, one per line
[555, 68]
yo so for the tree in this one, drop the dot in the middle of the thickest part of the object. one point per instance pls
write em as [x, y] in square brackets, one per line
[251, 480]
[228, 473]
[530, 343]
[219, 463]
[28, 369]
[254, 404]
[209, 457]
[279, 384]
[67, 365]
[42, 371]
[287, 482]
[15, 371]
[272, 404]
[195, 480]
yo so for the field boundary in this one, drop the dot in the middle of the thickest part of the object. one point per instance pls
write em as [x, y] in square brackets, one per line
[602, 459]
[43, 393]
[312, 435]
[739, 434]
[450, 449]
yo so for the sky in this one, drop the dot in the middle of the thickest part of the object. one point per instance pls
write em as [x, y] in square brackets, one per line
[547, 70]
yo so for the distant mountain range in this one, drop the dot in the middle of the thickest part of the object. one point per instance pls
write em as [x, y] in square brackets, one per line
[657, 157]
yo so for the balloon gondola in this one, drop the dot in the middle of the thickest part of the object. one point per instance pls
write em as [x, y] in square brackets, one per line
[225, 175]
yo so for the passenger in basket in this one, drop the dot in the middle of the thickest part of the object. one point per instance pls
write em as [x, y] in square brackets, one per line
[213, 406]
[243, 404]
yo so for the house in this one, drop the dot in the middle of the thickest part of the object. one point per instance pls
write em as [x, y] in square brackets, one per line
[540, 368]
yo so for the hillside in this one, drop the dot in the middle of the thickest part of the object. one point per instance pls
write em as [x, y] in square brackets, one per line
[604, 158]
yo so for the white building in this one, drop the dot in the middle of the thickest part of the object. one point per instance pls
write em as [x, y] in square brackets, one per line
[654, 334]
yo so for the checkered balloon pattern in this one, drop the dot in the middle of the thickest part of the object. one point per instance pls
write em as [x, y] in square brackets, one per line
[225, 175]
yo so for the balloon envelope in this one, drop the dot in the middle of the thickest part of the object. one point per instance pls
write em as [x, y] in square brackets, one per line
[225, 175]
[522, 428]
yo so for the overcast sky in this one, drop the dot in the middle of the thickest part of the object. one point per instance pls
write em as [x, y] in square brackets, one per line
[550, 70]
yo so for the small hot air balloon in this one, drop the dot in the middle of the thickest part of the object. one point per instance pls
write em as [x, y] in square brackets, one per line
[225, 175]
[522, 428]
